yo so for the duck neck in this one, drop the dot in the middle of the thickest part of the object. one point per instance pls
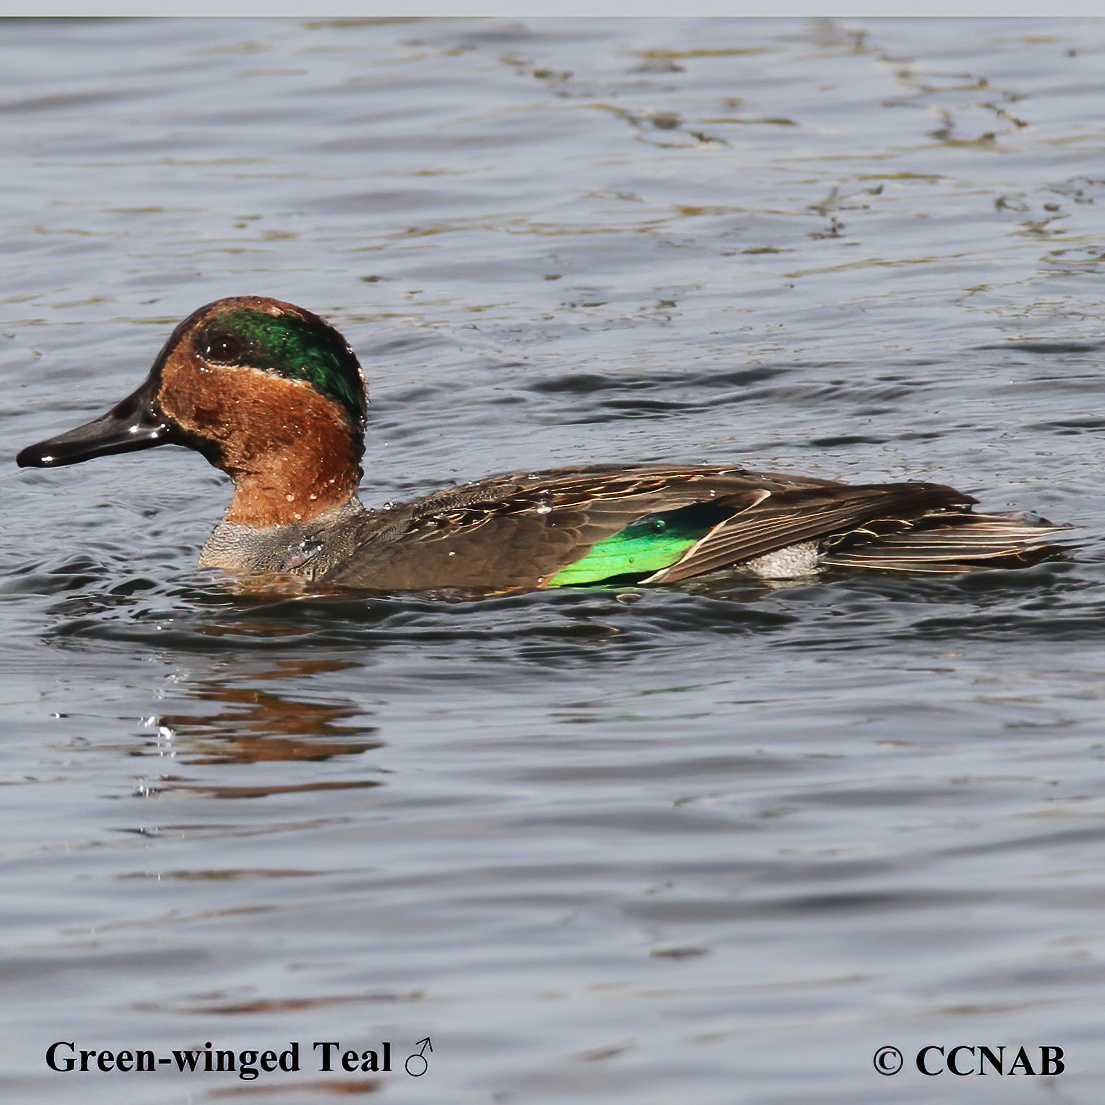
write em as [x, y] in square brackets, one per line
[310, 477]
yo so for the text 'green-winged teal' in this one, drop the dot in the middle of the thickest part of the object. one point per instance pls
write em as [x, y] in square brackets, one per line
[273, 396]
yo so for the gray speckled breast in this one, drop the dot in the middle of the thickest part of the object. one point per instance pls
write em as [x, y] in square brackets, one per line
[306, 549]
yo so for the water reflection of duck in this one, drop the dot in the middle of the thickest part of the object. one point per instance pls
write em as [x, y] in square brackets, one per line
[259, 723]
[273, 396]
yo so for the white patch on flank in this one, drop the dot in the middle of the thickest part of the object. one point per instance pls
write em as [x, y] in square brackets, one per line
[788, 563]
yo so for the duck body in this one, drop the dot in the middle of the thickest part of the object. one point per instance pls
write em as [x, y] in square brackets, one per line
[273, 396]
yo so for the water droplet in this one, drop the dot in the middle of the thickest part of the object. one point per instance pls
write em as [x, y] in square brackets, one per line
[544, 508]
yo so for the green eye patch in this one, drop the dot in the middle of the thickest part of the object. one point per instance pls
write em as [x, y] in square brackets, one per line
[290, 346]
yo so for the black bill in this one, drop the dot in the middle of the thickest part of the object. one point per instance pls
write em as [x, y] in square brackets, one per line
[136, 423]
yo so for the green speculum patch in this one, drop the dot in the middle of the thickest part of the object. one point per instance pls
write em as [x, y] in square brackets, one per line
[289, 346]
[643, 547]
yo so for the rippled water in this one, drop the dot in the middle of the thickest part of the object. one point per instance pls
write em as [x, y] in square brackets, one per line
[711, 844]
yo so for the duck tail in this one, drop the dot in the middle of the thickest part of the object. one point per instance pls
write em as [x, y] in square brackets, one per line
[946, 542]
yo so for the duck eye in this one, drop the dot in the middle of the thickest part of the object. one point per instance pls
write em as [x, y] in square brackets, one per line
[224, 349]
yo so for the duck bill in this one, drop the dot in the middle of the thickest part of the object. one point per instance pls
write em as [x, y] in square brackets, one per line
[136, 423]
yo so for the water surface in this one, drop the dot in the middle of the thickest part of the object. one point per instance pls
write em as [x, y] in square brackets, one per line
[710, 844]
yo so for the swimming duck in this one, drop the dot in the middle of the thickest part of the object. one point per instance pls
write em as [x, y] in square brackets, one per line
[273, 396]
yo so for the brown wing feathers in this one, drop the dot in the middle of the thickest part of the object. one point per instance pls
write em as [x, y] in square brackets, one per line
[789, 517]
[517, 530]
[936, 544]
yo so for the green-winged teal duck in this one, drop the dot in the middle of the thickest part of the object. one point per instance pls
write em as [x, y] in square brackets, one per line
[273, 396]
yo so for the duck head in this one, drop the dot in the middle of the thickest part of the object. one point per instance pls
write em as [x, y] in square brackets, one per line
[268, 392]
